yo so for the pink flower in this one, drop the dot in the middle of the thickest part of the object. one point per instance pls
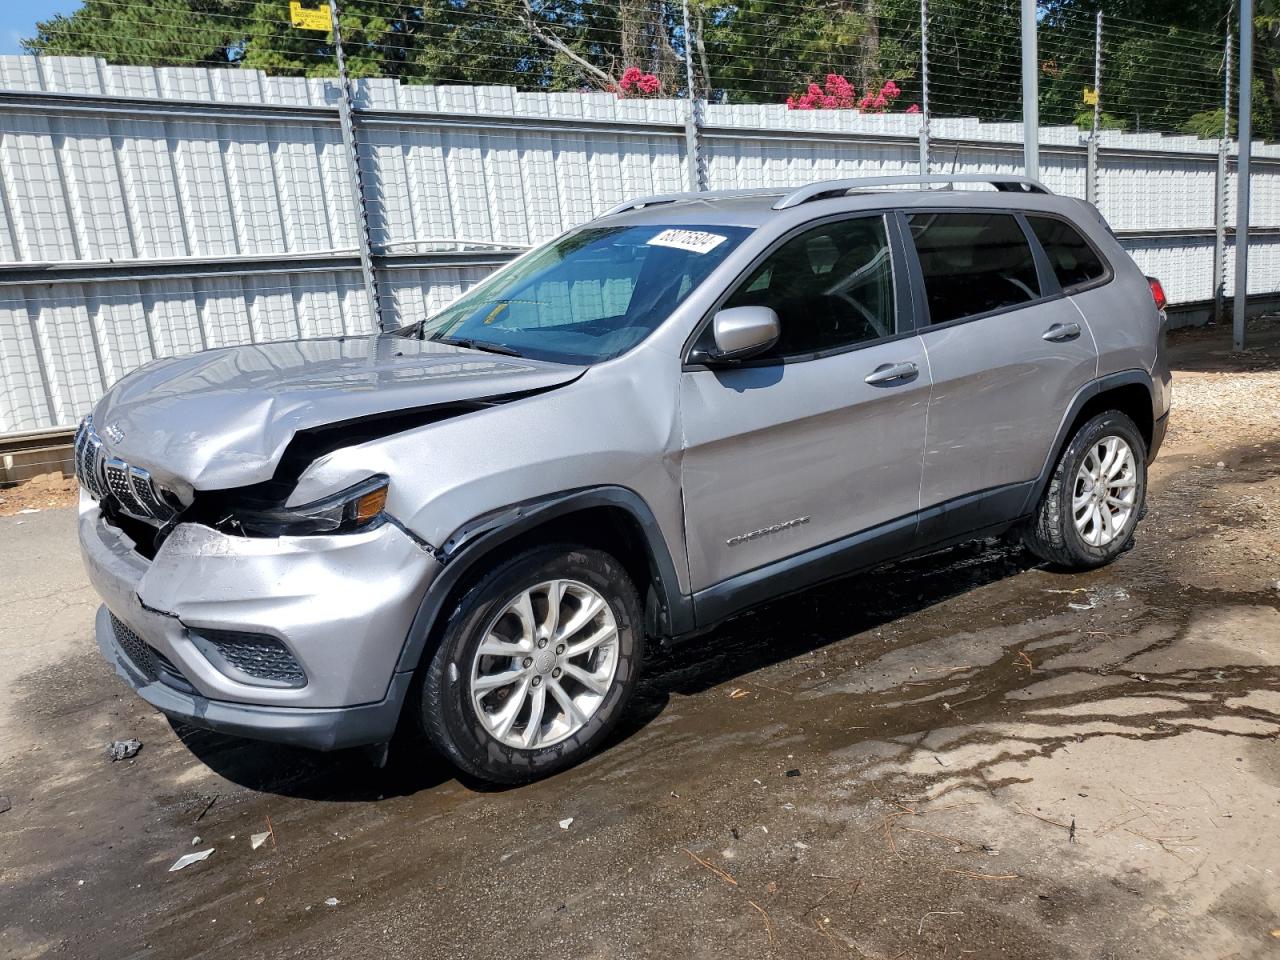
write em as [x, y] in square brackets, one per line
[804, 102]
[880, 102]
[890, 90]
[914, 108]
[864, 103]
[648, 83]
[630, 77]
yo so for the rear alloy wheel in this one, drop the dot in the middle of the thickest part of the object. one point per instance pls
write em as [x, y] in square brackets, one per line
[1095, 496]
[536, 665]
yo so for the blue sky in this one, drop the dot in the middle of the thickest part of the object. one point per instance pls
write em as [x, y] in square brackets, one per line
[18, 19]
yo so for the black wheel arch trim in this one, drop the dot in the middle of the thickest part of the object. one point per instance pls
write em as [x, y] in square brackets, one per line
[472, 540]
[1094, 388]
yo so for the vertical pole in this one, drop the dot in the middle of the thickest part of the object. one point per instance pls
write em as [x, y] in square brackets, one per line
[693, 120]
[1091, 173]
[1220, 195]
[1242, 173]
[1030, 92]
[346, 110]
[924, 90]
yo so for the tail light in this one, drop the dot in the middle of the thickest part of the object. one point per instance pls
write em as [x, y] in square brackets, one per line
[1157, 293]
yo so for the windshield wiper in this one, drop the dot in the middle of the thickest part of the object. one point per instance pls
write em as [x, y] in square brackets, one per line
[472, 344]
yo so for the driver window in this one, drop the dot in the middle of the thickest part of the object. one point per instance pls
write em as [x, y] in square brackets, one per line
[831, 287]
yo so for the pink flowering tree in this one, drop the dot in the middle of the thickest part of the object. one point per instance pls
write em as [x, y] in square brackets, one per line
[634, 82]
[837, 93]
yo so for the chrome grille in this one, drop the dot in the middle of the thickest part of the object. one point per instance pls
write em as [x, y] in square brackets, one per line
[131, 488]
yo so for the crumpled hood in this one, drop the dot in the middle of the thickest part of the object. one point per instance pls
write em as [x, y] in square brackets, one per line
[222, 418]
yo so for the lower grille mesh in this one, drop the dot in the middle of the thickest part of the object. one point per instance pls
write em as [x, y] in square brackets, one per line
[257, 655]
[136, 649]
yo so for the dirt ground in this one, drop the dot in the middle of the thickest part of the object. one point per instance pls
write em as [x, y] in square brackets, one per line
[961, 756]
[40, 493]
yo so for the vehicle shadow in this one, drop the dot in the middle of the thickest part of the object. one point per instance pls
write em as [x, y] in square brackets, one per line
[773, 633]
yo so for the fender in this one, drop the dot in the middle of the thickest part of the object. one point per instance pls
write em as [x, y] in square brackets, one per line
[458, 555]
[1093, 388]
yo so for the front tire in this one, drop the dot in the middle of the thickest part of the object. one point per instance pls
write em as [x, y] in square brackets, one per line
[536, 665]
[1095, 496]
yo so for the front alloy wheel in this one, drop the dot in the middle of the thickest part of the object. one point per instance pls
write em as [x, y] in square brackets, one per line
[545, 665]
[535, 665]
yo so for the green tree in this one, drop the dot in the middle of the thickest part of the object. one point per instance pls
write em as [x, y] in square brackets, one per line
[158, 32]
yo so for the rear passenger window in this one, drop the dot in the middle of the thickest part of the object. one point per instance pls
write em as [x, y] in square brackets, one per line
[832, 287]
[1073, 260]
[973, 263]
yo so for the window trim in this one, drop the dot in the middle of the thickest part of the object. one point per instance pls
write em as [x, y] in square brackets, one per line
[1038, 256]
[1108, 271]
[904, 298]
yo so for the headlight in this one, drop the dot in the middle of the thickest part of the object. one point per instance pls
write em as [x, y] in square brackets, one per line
[354, 508]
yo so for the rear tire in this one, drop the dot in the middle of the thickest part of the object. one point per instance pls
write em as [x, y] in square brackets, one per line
[560, 628]
[1095, 497]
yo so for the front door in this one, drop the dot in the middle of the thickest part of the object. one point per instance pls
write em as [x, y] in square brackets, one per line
[822, 436]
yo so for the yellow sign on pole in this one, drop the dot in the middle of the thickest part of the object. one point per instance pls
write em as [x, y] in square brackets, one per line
[1091, 97]
[309, 18]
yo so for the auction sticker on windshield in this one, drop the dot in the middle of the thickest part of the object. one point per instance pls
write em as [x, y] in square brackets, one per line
[694, 241]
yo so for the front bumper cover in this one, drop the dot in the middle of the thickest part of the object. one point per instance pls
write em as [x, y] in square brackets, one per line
[321, 728]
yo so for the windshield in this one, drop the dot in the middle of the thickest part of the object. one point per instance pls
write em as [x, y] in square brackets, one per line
[587, 297]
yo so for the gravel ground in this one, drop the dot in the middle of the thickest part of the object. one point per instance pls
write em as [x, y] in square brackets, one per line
[966, 755]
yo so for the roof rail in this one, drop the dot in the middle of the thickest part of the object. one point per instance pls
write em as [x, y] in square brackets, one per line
[702, 195]
[824, 188]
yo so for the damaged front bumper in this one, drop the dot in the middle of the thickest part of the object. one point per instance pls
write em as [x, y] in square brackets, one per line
[290, 639]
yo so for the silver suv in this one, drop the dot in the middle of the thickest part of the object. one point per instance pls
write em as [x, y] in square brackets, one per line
[682, 409]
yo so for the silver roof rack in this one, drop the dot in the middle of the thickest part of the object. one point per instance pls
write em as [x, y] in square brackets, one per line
[794, 196]
[702, 195]
[826, 188]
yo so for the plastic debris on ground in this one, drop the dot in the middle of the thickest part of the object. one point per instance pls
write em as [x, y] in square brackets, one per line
[124, 749]
[187, 859]
[332, 902]
[566, 823]
[258, 839]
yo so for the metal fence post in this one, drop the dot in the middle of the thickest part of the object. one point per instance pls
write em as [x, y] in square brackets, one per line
[1220, 195]
[346, 111]
[924, 89]
[1244, 151]
[1030, 91]
[693, 120]
[1091, 172]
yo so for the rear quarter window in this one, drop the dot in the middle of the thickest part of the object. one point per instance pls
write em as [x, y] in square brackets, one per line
[973, 263]
[1074, 261]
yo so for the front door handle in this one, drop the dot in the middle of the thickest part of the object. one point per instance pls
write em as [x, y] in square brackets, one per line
[893, 373]
[1062, 331]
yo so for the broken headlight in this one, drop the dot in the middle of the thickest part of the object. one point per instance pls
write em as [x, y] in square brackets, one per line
[354, 508]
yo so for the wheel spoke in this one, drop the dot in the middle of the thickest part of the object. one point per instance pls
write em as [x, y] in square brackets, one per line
[1122, 482]
[587, 680]
[523, 609]
[492, 681]
[1121, 462]
[603, 635]
[495, 646]
[502, 721]
[576, 717]
[1117, 502]
[591, 606]
[555, 597]
[537, 705]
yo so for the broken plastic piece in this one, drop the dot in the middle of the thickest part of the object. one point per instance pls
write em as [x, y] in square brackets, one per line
[124, 749]
[258, 839]
[566, 823]
[188, 859]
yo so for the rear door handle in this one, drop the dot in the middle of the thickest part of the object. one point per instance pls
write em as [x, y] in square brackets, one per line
[893, 373]
[1062, 331]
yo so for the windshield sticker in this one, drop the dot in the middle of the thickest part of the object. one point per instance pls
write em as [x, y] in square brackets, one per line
[694, 241]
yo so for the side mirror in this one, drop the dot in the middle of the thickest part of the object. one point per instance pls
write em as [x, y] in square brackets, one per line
[741, 333]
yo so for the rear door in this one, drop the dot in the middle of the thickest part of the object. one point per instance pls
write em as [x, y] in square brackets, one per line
[821, 437]
[1007, 353]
